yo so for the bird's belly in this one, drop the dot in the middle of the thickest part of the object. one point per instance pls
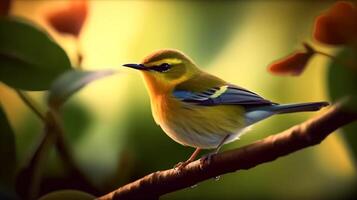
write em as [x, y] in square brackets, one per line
[202, 126]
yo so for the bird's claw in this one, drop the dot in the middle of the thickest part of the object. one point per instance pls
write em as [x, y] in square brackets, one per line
[179, 166]
[206, 159]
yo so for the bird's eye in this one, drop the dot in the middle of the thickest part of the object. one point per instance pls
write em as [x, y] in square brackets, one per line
[164, 67]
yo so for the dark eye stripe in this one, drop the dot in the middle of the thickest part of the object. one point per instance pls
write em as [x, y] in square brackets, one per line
[161, 68]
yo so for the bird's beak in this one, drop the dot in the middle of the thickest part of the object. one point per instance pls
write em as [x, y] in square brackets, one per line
[136, 66]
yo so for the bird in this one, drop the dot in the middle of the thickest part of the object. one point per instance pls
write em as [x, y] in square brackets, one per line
[200, 110]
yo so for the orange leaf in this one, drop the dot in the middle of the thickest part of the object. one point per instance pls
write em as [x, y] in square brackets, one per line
[338, 25]
[69, 19]
[294, 64]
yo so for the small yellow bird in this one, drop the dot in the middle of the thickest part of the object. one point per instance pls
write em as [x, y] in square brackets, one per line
[200, 110]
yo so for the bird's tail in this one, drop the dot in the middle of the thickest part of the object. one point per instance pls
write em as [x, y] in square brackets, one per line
[298, 107]
[256, 114]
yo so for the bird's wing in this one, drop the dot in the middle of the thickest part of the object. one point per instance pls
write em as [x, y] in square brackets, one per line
[220, 93]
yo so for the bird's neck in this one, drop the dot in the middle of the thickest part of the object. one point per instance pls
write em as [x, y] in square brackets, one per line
[157, 94]
[155, 88]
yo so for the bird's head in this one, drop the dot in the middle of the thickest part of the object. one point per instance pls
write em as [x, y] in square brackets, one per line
[166, 68]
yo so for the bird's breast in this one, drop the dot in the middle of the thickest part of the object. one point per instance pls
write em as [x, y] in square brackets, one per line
[196, 125]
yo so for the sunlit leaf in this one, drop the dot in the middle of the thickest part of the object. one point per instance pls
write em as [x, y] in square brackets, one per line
[29, 59]
[68, 195]
[71, 82]
[7, 156]
[342, 83]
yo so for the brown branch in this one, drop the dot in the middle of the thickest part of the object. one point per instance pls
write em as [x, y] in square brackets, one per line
[306, 134]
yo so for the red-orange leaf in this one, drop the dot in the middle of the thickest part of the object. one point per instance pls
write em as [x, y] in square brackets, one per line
[69, 19]
[294, 64]
[338, 25]
[4, 7]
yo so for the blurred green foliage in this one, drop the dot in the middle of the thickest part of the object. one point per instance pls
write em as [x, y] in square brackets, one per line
[30, 60]
[210, 20]
[7, 158]
[117, 141]
[36, 62]
[76, 121]
[342, 84]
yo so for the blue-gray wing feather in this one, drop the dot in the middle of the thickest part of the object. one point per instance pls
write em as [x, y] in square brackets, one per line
[232, 95]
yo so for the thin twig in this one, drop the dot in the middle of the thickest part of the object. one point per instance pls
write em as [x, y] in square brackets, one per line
[325, 54]
[79, 54]
[311, 50]
[39, 160]
[301, 136]
[66, 153]
[29, 178]
[31, 104]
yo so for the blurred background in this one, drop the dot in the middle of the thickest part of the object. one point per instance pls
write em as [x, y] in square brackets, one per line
[109, 124]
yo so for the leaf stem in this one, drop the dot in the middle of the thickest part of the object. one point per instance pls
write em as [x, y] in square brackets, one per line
[66, 153]
[39, 160]
[79, 54]
[312, 50]
[325, 54]
[29, 178]
[31, 104]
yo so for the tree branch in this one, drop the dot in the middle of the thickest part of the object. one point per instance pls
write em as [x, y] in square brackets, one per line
[306, 134]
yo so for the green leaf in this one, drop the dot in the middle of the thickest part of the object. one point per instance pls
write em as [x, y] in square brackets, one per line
[342, 83]
[76, 120]
[71, 82]
[68, 194]
[342, 77]
[7, 155]
[29, 58]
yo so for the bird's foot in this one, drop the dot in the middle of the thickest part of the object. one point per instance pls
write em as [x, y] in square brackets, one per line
[206, 159]
[179, 166]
